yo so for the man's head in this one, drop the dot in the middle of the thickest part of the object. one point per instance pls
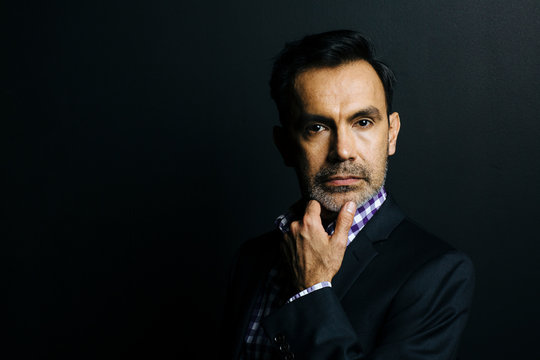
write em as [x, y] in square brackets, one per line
[334, 101]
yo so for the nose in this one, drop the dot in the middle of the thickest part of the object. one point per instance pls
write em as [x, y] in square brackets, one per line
[343, 145]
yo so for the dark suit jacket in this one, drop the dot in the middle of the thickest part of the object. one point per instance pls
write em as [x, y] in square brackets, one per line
[401, 294]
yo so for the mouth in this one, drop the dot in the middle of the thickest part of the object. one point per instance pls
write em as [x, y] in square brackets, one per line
[342, 180]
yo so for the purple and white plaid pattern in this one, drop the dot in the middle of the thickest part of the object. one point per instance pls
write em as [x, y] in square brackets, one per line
[363, 213]
[257, 345]
[311, 289]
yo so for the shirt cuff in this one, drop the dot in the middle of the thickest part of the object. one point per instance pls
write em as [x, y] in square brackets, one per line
[310, 290]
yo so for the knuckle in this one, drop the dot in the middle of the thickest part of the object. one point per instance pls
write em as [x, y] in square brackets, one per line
[344, 222]
[294, 227]
[312, 206]
[307, 220]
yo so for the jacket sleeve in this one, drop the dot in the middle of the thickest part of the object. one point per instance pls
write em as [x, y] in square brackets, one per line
[424, 320]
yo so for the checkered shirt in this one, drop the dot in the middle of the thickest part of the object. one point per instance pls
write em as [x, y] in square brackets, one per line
[257, 346]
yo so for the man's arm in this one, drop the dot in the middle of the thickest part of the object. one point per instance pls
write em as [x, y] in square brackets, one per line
[425, 320]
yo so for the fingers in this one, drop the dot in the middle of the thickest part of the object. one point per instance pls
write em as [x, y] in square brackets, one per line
[292, 275]
[313, 208]
[311, 255]
[312, 215]
[287, 247]
[313, 211]
[344, 220]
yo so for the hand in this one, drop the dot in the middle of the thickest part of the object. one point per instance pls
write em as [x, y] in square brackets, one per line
[311, 254]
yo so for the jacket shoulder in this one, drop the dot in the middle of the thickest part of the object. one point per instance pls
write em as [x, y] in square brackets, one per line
[409, 248]
[413, 241]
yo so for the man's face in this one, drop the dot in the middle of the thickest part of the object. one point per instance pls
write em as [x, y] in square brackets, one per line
[341, 134]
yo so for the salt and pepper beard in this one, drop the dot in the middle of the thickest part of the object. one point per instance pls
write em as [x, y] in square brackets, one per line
[316, 189]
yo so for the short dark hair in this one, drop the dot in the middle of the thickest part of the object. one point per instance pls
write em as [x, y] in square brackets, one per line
[328, 49]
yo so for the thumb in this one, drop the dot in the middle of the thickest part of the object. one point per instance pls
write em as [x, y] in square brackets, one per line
[344, 220]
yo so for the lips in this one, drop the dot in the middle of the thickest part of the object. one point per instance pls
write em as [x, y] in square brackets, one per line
[342, 180]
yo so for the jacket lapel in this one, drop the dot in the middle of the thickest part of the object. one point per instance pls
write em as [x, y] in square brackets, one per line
[361, 251]
[354, 262]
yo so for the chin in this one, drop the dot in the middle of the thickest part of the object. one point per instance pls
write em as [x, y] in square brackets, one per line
[334, 205]
[333, 202]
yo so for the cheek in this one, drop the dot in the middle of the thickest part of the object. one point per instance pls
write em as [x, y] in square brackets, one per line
[374, 150]
[311, 160]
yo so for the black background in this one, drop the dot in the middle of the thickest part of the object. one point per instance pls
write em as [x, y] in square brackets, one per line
[137, 150]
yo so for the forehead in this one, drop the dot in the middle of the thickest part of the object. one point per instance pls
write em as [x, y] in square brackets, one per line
[340, 90]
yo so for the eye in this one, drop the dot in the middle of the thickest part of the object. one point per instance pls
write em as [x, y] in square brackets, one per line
[315, 128]
[364, 123]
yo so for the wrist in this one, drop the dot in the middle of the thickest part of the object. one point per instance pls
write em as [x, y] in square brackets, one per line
[310, 289]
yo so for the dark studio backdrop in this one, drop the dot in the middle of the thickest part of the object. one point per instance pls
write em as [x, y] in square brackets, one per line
[137, 155]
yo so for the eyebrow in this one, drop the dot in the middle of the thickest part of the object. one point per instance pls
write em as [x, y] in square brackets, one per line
[370, 111]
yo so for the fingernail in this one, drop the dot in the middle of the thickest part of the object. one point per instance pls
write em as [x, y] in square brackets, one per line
[351, 207]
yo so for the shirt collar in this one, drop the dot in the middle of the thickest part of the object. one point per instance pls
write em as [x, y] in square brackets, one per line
[363, 214]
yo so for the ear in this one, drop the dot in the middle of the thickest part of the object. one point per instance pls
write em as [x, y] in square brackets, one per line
[394, 124]
[285, 145]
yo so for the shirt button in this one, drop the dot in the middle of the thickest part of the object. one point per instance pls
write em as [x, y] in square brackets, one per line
[284, 347]
[279, 338]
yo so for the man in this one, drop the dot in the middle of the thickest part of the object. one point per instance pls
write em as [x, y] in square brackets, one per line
[345, 275]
